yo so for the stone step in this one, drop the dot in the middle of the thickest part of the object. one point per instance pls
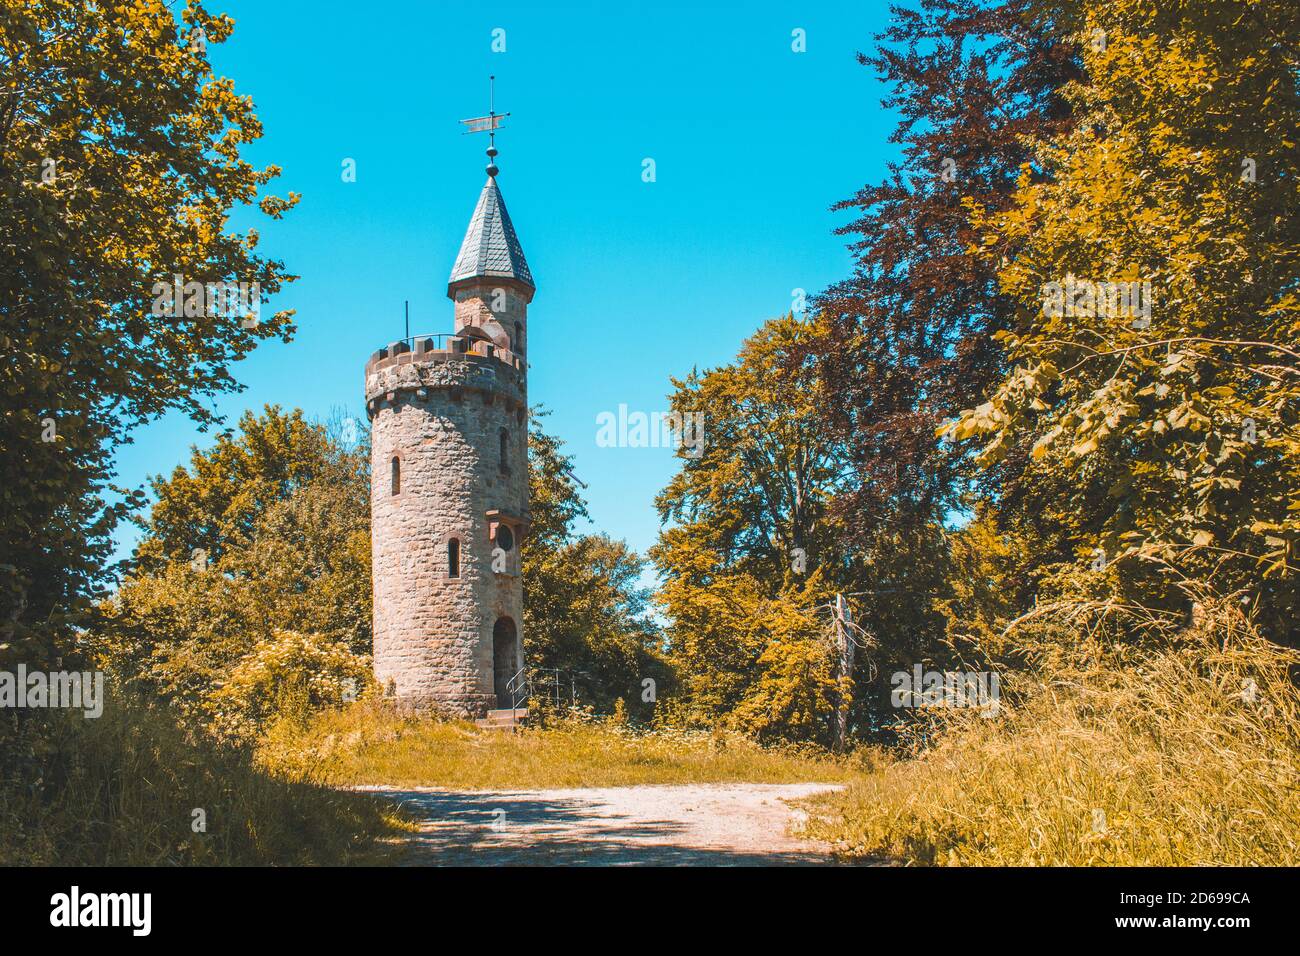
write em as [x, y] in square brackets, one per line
[505, 719]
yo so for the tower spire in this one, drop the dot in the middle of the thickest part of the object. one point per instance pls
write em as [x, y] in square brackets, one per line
[488, 124]
[490, 250]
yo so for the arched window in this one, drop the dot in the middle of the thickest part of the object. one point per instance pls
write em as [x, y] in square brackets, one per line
[453, 557]
[505, 455]
[397, 475]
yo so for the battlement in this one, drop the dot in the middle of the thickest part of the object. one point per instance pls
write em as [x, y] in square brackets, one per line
[456, 364]
[441, 348]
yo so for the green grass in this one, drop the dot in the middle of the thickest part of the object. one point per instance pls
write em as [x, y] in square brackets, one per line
[371, 744]
[121, 790]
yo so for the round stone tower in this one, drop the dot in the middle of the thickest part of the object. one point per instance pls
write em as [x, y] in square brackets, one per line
[449, 485]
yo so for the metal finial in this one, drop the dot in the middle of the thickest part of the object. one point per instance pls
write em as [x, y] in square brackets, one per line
[492, 169]
[488, 124]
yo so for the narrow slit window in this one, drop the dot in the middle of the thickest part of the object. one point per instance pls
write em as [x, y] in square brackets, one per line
[453, 557]
[505, 455]
[397, 475]
[519, 337]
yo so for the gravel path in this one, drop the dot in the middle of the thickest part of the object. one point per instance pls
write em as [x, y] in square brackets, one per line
[738, 824]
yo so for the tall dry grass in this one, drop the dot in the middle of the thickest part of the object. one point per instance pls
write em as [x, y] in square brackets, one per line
[122, 790]
[370, 743]
[1183, 754]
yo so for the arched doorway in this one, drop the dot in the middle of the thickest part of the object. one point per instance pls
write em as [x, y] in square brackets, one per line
[505, 662]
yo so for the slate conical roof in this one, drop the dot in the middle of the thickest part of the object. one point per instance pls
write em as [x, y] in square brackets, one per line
[491, 249]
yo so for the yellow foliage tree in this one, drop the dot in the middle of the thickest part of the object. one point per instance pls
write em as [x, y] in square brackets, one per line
[1151, 403]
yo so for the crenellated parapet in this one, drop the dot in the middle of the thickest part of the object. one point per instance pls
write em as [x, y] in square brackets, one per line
[461, 365]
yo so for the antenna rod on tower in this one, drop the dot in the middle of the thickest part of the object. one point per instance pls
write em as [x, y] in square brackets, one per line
[408, 319]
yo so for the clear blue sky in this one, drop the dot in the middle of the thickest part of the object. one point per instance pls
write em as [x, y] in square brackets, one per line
[636, 281]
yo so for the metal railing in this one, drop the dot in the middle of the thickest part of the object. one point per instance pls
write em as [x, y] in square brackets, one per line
[463, 344]
[550, 683]
[518, 688]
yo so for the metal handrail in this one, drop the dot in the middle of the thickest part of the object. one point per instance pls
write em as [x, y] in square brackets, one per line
[472, 345]
[520, 686]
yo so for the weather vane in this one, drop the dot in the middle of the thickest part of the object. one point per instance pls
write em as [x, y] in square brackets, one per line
[488, 124]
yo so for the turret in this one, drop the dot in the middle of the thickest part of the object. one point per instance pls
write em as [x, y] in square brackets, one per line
[449, 486]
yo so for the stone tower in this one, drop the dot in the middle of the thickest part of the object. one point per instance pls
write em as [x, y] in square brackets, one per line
[449, 485]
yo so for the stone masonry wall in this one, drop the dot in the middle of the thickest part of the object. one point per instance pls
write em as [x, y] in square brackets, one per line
[440, 414]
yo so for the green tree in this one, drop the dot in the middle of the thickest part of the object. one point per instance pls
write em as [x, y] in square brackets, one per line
[585, 612]
[1162, 439]
[757, 494]
[264, 540]
[908, 337]
[752, 553]
[119, 165]
[218, 501]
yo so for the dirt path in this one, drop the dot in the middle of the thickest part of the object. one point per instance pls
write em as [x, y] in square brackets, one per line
[738, 824]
